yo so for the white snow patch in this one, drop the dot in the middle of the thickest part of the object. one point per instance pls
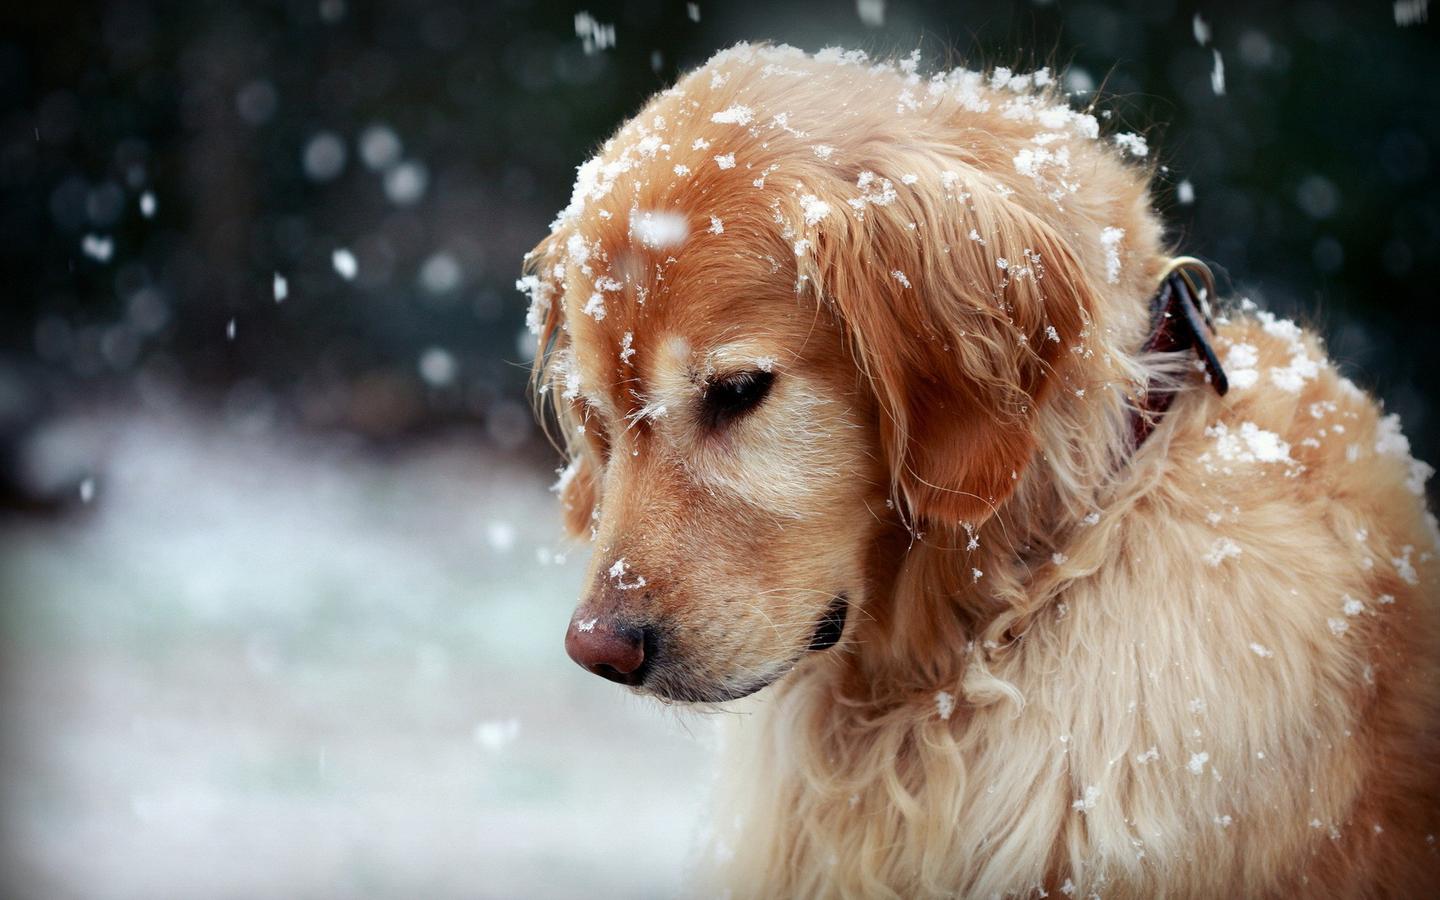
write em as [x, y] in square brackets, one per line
[813, 208]
[944, 704]
[344, 262]
[1110, 241]
[1087, 801]
[735, 115]
[98, 247]
[659, 229]
[494, 735]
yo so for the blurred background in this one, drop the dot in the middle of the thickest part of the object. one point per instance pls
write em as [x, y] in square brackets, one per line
[281, 587]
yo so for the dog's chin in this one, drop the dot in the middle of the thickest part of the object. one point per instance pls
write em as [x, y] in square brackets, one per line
[674, 687]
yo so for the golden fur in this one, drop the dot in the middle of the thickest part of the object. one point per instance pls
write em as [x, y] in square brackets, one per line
[1203, 668]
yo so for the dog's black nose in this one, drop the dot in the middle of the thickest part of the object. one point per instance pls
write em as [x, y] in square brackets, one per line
[609, 648]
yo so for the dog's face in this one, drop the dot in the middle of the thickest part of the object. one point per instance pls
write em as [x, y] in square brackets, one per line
[778, 340]
[737, 482]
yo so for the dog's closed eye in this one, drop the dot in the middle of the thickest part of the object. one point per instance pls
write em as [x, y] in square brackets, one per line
[733, 396]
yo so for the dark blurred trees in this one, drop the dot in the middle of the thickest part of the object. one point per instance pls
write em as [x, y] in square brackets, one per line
[435, 140]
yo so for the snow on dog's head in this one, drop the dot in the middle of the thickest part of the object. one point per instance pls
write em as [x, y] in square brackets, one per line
[800, 311]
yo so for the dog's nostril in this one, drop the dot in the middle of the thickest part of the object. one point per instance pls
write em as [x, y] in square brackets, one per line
[610, 649]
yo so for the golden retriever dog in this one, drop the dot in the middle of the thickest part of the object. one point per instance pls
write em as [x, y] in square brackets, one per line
[856, 372]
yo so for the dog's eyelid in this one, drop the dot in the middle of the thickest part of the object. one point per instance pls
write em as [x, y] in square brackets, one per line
[729, 397]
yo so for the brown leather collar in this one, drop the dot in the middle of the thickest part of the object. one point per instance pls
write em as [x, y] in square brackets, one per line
[1178, 321]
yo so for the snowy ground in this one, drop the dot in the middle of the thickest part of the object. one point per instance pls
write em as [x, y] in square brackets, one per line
[259, 666]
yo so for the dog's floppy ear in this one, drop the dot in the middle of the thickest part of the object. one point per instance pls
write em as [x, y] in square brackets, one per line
[962, 305]
[554, 376]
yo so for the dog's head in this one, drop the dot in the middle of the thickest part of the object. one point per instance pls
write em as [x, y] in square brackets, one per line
[798, 310]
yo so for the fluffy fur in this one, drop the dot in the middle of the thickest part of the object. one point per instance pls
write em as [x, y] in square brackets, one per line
[1203, 668]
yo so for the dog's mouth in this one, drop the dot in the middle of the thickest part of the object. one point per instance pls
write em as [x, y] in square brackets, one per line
[828, 631]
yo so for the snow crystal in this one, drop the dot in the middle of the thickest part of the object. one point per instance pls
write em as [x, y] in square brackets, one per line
[700, 144]
[538, 291]
[1092, 519]
[380, 147]
[1385, 599]
[813, 208]
[565, 476]
[727, 161]
[437, 367]
[1185, 192]
[681, 170]
[1217, 76]
[1087, 801]
[900, 277]
[1201, 28]
[823, 150]
[97, 247]
[944, 704]
[87, 490]
[500, 535]
[1391, 441]
[1403, 566]
[1261, 651]
[593, 35]
[617, 573]
[230, 330]
[324, 156]
[1148, 756]
[872, 12]
[716, 226]
[1224, 821]
[281, 288]
[1338, 626]
[1132, 143]
[693, 11]
[1292, 378]
[909, 178]
[1110, 240]
[1351, 606]
[405, 183]
[658, 229]
[1051, 334]
[147, 204]
[1250, 444]
[1059, 559]
[595, 306]
[586, 625]
[1240, 366]
[884, 196]
[344, 262]
[495, 735]
[765, 363]
[1411, 12]
[735, 115]
[627, 348]
[1197, 762]
[1002, 263]
[976, 575]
